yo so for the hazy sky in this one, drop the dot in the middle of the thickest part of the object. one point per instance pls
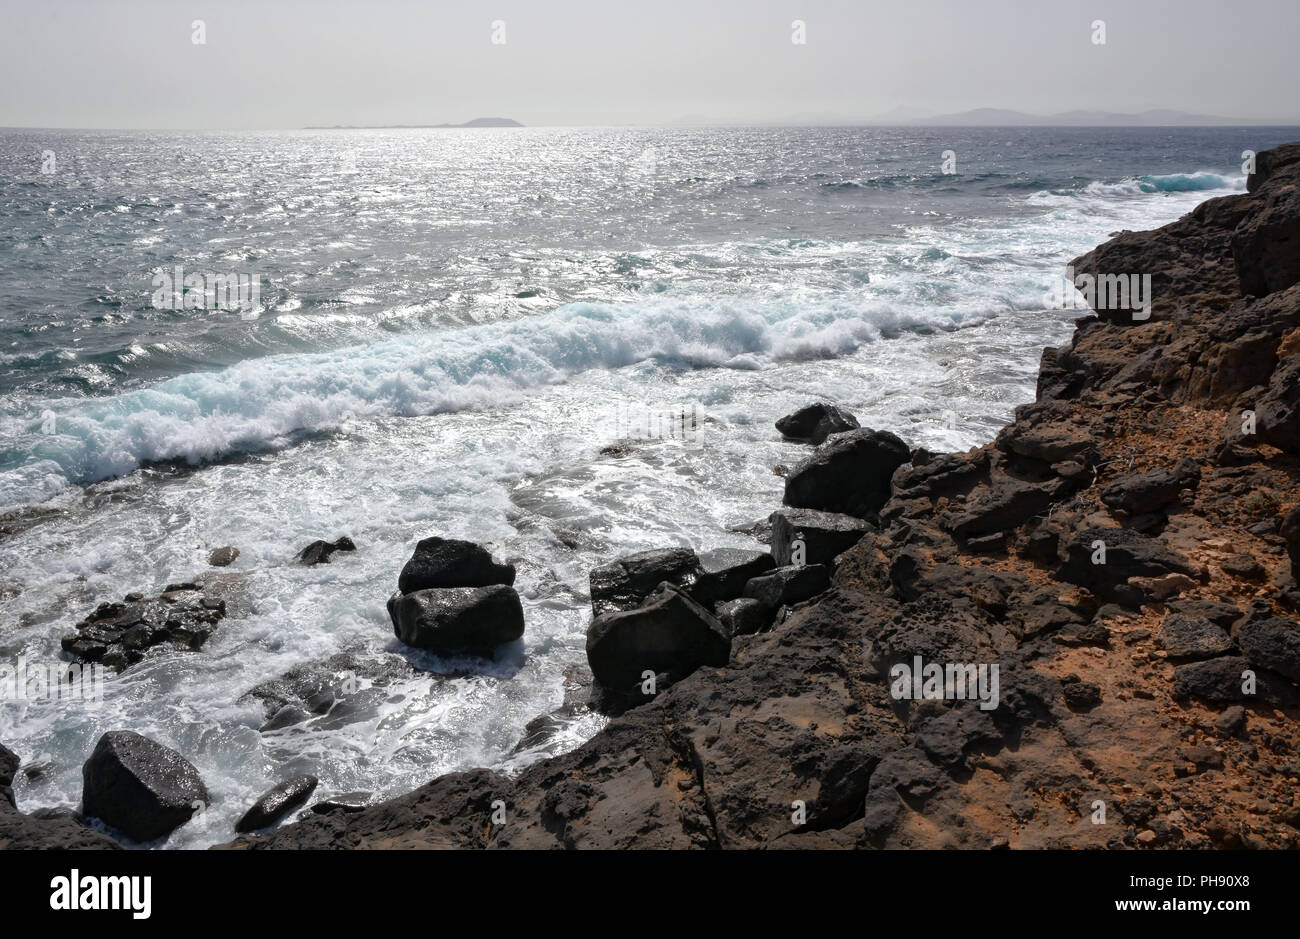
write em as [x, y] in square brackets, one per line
[289, 63]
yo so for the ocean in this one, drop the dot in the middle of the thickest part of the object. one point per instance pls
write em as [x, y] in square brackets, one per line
[456, 332]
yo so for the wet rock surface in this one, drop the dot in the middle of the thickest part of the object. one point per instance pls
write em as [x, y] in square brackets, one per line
[448, 562]
[452, 597]
[139, 787]
[625, 583]
[849, 473]
[319, 552]
[668, 633]
[451, 619]
[345, 688]
[117, 635]
[278, 802]
[816, 422]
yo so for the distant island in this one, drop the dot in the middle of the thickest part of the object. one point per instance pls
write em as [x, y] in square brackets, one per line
[1001, 117]
[477, 122]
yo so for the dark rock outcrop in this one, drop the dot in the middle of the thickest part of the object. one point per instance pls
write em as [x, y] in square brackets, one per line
[1278, 410]
[139, 787]
[8, 769]
[450, 619]
[277, 802]
[668, 633]
[625, 583]
[119, 634]
[448, 562]
[1187, 638]
[1272, 643]
[849, 473]
[319, 552]
[824, 535]
[41, 831]
[816, 422]
[1142, 493]
[1106, 560]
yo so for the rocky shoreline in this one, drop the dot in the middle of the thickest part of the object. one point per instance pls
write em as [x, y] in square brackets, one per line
[1121, 561]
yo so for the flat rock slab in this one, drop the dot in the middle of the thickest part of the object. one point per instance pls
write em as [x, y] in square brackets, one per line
[788, 585]
[1142, 493]
[727, 570]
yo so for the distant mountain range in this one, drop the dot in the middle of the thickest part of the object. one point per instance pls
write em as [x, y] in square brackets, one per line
[477, 122]
[1005, 117]
[1002, 117]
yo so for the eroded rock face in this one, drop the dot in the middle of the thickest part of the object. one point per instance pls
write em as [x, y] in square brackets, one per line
[139, 787]
[1273, 643]
[1266, 243]
[1105, 560]
[1278, 409]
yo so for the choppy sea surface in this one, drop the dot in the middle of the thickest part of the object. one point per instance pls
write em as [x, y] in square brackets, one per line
[451, 329]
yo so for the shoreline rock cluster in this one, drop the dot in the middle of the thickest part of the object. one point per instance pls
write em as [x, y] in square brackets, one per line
[453, 597]
[1125, 552]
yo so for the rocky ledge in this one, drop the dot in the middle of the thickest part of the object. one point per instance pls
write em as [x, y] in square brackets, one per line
[1114, 578]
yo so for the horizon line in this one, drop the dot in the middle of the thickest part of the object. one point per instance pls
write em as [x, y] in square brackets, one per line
[670, 124]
